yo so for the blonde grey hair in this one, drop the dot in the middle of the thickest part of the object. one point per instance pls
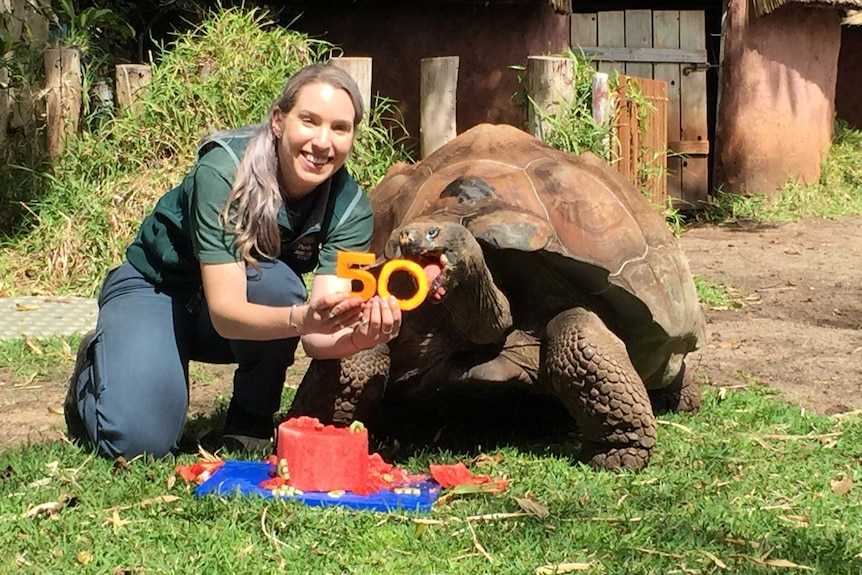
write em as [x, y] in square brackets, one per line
[255, 197]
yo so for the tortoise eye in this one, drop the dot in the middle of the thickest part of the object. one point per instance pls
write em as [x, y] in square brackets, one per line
[432, 233]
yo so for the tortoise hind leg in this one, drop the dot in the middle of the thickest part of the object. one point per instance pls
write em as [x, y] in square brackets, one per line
[340, 391]
[589, 370]
[682, 395]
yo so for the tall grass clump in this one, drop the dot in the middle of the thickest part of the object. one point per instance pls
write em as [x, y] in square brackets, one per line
[220, 75]
[572, 128]
[837, 193]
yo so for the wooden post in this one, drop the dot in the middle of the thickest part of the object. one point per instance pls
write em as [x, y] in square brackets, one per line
[437, 96]
[131, 80]
[359, 69]
[550, 85]
[5, 103]
[63, 93]
[602, 108]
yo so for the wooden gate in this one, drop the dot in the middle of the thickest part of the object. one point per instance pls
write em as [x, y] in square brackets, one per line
[668, 45]
[641, 149]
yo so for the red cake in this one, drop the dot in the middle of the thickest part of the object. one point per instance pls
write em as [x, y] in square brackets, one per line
[323, 457]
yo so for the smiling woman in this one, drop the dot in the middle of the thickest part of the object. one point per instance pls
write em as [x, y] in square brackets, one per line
[215, 275]
[313, 138]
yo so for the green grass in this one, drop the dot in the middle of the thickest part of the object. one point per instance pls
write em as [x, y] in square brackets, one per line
[837, 193]
[746, 481]
[717, 296]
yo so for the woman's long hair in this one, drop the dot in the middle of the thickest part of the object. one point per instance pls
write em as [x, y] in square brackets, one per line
[251, 209]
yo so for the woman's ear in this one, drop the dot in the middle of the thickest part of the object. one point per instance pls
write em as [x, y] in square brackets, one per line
[276, 123]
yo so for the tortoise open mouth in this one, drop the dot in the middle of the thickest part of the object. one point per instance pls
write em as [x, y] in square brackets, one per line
[434, 264]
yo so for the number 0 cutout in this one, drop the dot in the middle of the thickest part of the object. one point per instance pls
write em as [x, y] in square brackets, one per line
[370, 285]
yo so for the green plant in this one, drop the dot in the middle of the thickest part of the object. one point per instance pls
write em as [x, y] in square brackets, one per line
[221, 74]
[717, 296]
[572, 128]
[375, 150]
[79, 27]
[838, 191]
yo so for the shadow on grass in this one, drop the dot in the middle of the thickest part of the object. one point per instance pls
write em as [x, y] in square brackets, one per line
[471, 425]
[450, 422]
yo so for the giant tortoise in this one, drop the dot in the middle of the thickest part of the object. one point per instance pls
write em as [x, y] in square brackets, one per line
[547, 271]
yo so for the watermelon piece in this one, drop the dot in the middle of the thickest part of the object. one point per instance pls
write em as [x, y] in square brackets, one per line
[323, 457]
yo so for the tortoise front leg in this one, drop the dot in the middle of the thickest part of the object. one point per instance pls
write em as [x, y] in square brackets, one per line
[682, 395]
[341, 391]
[590, 371]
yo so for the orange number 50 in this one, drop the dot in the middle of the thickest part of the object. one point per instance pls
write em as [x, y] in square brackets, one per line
[370, 284]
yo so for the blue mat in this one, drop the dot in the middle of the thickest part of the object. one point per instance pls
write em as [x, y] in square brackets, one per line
[244, 477]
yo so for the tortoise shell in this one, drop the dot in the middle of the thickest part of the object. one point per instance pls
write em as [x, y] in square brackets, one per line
[573, 214]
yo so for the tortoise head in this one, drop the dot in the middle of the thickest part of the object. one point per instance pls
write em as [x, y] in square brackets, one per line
[446, 250]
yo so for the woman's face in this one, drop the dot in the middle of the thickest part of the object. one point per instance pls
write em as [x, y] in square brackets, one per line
[315, 136]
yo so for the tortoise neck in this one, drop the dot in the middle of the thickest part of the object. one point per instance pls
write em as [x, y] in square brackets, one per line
[480, 311]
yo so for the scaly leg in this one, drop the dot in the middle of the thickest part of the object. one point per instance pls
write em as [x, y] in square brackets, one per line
[342, 391]
[590, 371]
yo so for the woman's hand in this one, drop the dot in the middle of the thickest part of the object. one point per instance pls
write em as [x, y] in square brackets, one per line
[354, 326]
[328, 313]
[379, 322]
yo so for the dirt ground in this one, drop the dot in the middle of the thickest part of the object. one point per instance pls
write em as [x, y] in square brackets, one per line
[796, 326]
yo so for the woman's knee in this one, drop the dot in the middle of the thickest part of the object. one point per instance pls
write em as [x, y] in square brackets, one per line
[275, 284]
[139, 409]
[131, 430]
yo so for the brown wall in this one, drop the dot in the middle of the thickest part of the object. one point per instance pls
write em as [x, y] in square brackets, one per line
[488, 40]
[848, 90]
[776, 96]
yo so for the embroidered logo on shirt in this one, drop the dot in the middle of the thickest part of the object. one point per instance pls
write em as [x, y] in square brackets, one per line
[304, 250]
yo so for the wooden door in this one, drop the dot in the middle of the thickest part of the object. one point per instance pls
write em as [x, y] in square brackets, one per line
[668, 45]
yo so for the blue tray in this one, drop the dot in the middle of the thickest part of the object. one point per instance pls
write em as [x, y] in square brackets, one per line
[244, 477]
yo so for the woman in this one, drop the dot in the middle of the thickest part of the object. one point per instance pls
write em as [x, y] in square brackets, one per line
[214, 275]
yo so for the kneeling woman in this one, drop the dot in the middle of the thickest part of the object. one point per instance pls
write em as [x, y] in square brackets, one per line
[214, 275]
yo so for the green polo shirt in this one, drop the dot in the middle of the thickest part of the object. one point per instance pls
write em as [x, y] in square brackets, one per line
[185, 229]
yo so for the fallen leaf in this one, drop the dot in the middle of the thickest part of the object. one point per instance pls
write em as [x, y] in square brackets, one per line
[172, 480]
[485, 458]
[159, 499]
[207, 456]
[40, 482]
[84, 557]
[120, 465]
[49, 509]
[32, 345]
[718, 562]
[787, 564]
[532, 507]
[562, 568]
[116, 521]
[797, 520]
[26, 307]
[841, 485]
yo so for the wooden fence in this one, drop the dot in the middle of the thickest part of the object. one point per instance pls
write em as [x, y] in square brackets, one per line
[641, 136]
[20, 21]
[639, 145]
[639, 142]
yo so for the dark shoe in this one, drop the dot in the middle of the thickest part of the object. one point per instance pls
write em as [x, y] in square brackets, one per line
[245, 431]
[245, 443]
[74, 423]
